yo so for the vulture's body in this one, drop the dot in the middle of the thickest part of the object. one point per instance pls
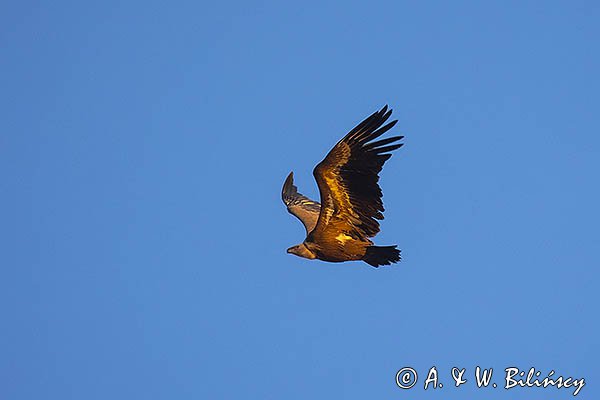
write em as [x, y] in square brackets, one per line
[340, 227]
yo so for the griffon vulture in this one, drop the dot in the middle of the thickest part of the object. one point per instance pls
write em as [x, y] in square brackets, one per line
[339, 228]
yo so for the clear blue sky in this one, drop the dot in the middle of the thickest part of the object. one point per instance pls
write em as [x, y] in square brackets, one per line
[143, 148]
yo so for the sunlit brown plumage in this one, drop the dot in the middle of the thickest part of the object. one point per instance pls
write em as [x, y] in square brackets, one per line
[339, 228]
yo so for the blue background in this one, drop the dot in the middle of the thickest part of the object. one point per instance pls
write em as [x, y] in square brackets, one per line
[143, 148]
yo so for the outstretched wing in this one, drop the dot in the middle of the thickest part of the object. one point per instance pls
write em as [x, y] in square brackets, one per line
[305, 209]
[347, 179]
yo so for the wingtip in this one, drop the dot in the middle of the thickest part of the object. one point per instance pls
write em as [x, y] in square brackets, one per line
[288, 185]
[386, 110]
[289, 181]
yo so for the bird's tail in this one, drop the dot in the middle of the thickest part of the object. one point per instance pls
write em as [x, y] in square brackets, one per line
[381, 255]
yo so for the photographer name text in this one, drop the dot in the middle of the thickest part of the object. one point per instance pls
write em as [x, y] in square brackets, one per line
[512, 377]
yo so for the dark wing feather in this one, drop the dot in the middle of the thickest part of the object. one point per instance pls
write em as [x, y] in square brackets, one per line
[305, 209]
[348, 176]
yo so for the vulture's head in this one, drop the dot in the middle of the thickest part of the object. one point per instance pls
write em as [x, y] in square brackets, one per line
[302, 251]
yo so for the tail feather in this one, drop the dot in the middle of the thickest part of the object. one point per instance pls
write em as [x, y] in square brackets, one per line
[381, 255]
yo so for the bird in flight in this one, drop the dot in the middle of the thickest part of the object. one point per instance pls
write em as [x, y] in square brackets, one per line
[340, 227]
